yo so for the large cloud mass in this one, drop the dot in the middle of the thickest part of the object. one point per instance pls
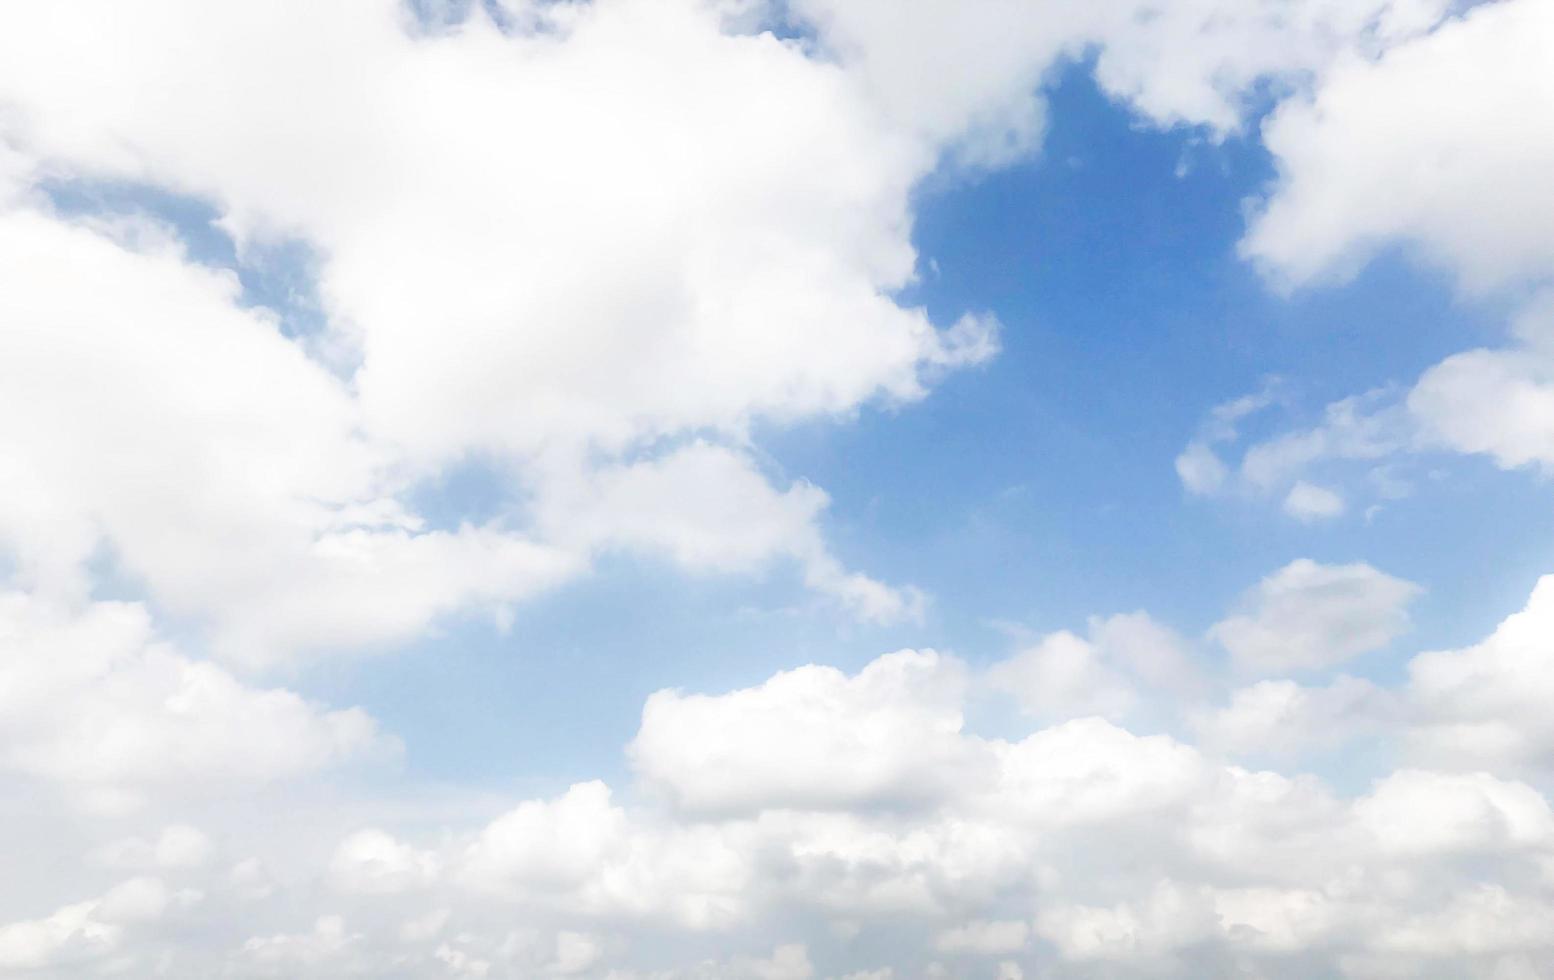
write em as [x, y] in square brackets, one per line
[859, 822]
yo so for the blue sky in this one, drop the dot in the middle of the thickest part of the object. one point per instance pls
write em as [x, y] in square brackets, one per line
[688, 489]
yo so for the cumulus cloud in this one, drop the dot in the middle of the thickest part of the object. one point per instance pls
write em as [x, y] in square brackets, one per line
[741, 268]
[835, 824]
[1283, 718]
[142, 415]
[1082, 848]
[814, 737]
[709, 507]
[143, 718]
[79, 935]
[1411, 147]
[1307, 615]
[1484, 705]
[1125, 662]
[1498, 402]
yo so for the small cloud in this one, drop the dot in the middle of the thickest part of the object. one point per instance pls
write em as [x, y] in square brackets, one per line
[1309, 503]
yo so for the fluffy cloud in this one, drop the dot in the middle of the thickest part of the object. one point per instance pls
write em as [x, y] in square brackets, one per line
[709, 507]
[841, 815]
[77, 935]
[1306, 615]
[741, 268]
[1125, 659]
[371, 862]
[1283, 718]
[968, 77]
[812, 737]
[1497, 402]
[1480, 707]
[1412, 147]
[141, 415]
[143, 718]
[1486, 704]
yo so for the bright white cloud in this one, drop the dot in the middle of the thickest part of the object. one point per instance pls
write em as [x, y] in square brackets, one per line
[1486, 705]
[1126, 661]
[1283, 718]
[740, 268]
[371, 862]
[1498, 402]
[1422, 146]
[709, 507]
[142, 415]
[813, 737]
[1307, 616]
[93, 700]
[76, 936]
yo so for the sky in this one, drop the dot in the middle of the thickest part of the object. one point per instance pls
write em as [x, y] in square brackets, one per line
[836, 489]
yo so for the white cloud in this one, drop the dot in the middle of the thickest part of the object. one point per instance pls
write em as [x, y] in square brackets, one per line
[371, 862]
[741, 267]
[1417, 813]
[143, 718]
[1124, 659]
[1200, 469]
[968, 76]
[81, 933]
[813, 737]
[1487, 705]
[737, 268]
[984, 938]
[177, 847]
[327, 944]
[1492, 401]
[1307, 616]
[1498, 402]
[709, 507]
[1065, 676]
[1365, 430]
[549, 843]
[1283, 718]
[1309, 502]
[1413, 147]
[142, 415]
